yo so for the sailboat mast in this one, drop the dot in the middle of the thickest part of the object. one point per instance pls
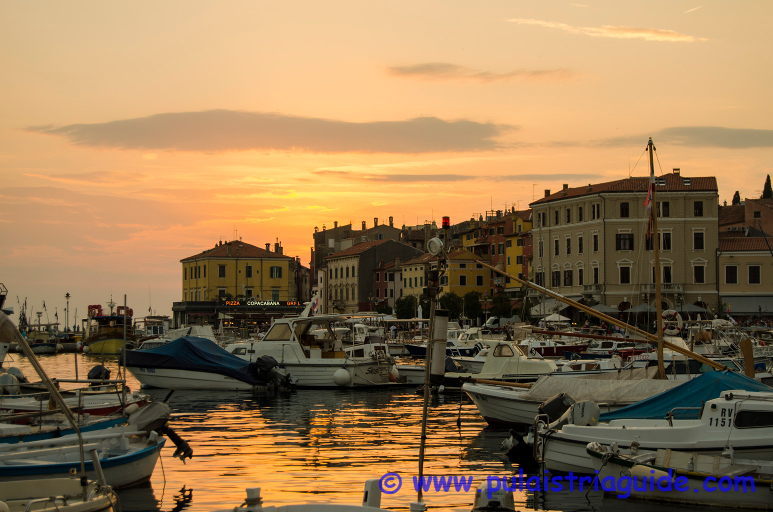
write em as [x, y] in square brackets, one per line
[655, 239]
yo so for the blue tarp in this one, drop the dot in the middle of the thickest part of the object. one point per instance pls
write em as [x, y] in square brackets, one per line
[194, 354]
[692, 393]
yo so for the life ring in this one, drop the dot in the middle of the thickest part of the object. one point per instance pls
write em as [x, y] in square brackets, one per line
[672, 322]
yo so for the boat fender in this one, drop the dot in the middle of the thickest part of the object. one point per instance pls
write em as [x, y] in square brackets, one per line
[394, 374]
[4, 507]
[341, 377]
[131, 409]
[9, 384]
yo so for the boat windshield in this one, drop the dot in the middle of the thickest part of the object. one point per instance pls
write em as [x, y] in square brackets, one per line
[278, 332]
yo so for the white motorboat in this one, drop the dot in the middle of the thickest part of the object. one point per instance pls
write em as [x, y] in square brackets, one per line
[319, 355]
[685, 477]
[57, 495]
[738, 419]
[506, 362]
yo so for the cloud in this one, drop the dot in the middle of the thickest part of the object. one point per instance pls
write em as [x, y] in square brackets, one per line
[228, 130]
[689, 11]
[447, 178]
[448, 71]
[615, 32]
[702, 136]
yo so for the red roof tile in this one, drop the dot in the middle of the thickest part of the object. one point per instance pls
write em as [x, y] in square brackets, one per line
[424, 258]
[674, 183]
[357, 249]
[235, 249]
[745, 244]
[733, 214]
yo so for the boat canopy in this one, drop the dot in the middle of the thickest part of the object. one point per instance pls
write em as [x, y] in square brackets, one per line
[194, 354]
[692, 394]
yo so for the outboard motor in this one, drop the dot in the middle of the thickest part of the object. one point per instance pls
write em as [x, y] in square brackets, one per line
[262, 367]
[581, 413]
[98, 372]
[555, 406]
[155, 416]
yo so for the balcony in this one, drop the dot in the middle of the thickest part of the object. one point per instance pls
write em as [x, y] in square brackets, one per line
[592, 289]
[667, 288]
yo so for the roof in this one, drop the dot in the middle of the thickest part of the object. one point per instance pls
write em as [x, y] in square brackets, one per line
[524, 214]
[673, 183]
[424, 258]
[745, 244]
[235, 249]
[358, 249]
[733, 214]
[462, 255]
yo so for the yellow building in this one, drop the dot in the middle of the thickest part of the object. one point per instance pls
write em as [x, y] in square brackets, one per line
[464, 275]
[516, 239]
[414, 275]
[237, 269]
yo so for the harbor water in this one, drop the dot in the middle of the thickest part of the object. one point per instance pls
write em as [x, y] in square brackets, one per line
[321, 446]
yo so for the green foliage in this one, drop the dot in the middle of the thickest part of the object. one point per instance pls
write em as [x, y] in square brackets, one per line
[500, 306]
[405, 307]
[452, 303]
[383, 308]
[767, 192]
[472, 306]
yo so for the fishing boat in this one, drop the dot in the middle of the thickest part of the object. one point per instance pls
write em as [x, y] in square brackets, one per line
[317, 355]
[198, 363]
[108, 333]
[57, 495]
[674, 476]
[707, 414]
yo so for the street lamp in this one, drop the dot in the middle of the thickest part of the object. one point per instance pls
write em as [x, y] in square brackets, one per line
[67, 312]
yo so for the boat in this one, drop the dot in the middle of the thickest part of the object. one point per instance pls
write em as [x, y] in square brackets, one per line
[503, 405]
[504, 362]
[707, 414]
[459, 343]
[319, 356]
[686, 477]
[198, 363]
[550, 348]
[57, 495]
[95, 401]
[108, 333]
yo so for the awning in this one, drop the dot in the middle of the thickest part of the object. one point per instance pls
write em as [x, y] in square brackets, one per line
[547, 307]
[748, 305]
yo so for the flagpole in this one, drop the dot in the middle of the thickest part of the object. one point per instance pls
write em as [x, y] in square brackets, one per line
[655, 237]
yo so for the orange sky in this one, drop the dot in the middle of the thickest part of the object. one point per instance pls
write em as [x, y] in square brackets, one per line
[134, 135]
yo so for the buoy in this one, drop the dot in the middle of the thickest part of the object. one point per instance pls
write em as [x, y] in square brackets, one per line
[341, 377]
[9, 384]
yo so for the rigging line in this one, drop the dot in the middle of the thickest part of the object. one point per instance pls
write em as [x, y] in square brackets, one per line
[657, 157]
[637, 161]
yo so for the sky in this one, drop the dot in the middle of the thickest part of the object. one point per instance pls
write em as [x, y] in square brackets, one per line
[135, 134]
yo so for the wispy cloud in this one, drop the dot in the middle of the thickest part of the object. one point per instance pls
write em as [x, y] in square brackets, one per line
[227, 130]
[688, 11]
[448, 178]
[615, 32]
[448, 71]
[702, 136]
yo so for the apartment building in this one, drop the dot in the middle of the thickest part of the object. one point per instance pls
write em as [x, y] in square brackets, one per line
[589, 242]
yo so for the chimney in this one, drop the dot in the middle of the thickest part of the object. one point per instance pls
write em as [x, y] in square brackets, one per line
[375, 221]
[677, 171]
[277, 248]
[547, 192]
[335, 224]
[364, 227]
[268, 246]
[566, 186]
[391, 221]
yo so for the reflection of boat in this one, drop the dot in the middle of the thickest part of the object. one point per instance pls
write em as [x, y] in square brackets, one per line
[106, 334]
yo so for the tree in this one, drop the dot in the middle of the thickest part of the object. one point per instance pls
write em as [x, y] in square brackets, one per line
[452, 303]
[736, 198]
[405, 307]
[501, 306]
[767, 192]
[383, 308]
[472, 307]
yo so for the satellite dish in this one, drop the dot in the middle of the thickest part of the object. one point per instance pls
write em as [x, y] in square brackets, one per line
[435, 246]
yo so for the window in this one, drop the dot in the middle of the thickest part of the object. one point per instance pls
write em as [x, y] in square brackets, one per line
[697, 240]
[276, 272]
[519, 242]
[539, 278]
[275, 293]
[579, 214]
[501, 248]
[555, 280]
[205, 270]
[753, 419]
[731, 274]
[540, 248]
[595, 211]
[580, 280]
[579, 245]
[221, 271]
[555, 247]
[519, 260]
[666, 273]
[336, 272]
[568, 246]
[353, 273]
[754, 274]
[346, 272]
[664, 209]
[595, 275]
[221, 293]
[624, 241]
[462, 280]
[666, 241]
[698, 208]
[508, 243]
[378, 276]
[699, 274]
[624, 210]
[595, 242]
[555, 218]
[568, 215]
[756, 214]
[462, 265]
[479, 280]
[248, 271]
[503, 351]
[567, 278]
[625, 275]
[248, 292]
[185, 274]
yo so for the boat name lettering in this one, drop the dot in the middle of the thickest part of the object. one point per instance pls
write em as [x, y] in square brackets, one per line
[725, 418]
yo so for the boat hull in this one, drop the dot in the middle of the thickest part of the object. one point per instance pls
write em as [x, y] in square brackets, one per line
[168, 378]
[322, 375]
[108, 346]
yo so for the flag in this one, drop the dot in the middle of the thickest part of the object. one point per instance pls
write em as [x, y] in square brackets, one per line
[648, 208]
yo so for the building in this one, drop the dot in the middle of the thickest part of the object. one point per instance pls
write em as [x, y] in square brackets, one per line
[387, 286]
[589, 242]
[348, 284]
[240, 282]
[414, 274]
[517, 243]
[463, 274]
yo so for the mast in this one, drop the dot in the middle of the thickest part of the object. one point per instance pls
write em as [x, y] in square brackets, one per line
[654, 237]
